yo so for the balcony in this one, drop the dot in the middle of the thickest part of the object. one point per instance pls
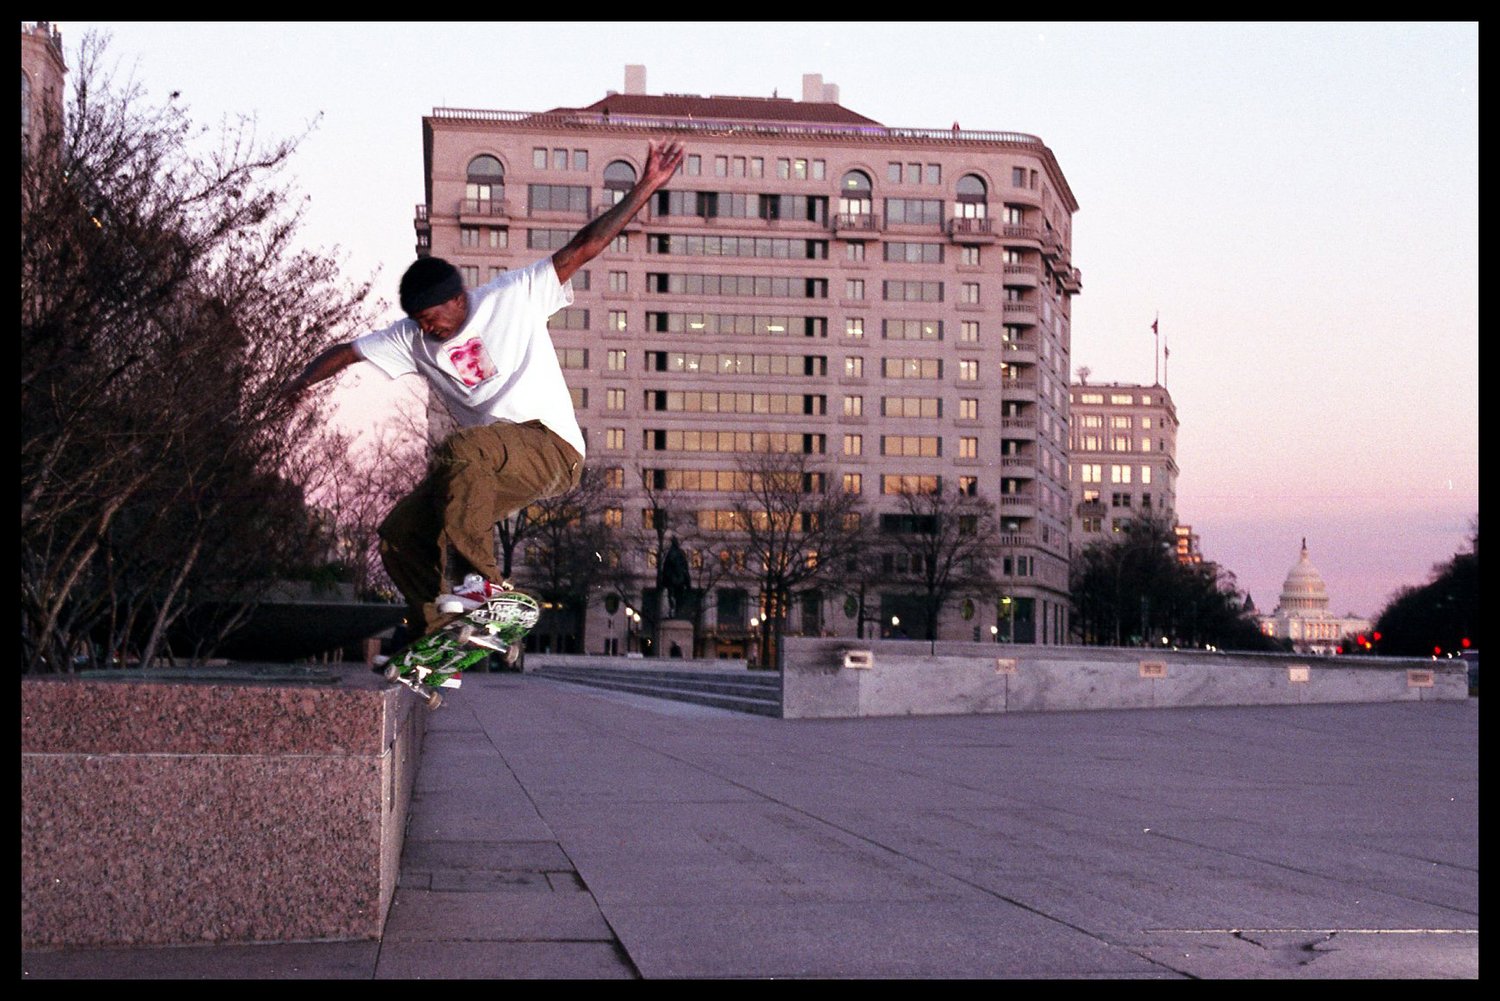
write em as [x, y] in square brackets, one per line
[1070, 280]
[419, 217]
[1026, 427]
[864, 226]
[1020, 312]
[1022, 352]
[1019, 234]
[484, 208]
[1092, 509]
[1023, 275]
[971, 230]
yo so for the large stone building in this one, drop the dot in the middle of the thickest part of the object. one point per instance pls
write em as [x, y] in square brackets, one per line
[892, 303]
[1302, 616]
[42, 71]
[1123, 460]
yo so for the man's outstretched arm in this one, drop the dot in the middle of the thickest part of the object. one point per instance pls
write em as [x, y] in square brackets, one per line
[662, 160]
[325, 366]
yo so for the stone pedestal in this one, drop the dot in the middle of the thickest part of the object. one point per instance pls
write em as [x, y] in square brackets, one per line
[163, 810]
[675, 634]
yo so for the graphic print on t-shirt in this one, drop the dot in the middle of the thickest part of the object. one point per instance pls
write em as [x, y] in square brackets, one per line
[471, 362]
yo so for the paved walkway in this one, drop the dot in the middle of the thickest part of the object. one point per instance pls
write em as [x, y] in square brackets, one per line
[564, 832]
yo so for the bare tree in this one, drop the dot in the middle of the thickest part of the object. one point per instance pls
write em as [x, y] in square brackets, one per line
[939, 544]
[163, 305]
[798, 530]
[572, 551]
[353, 485]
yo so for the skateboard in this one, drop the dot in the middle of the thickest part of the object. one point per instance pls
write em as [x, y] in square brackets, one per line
[461, 640]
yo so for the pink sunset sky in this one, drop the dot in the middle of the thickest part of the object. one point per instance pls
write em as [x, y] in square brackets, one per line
[1298, 203]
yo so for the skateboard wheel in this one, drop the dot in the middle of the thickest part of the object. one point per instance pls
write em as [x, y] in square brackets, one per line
[392, 671]
[434, 700]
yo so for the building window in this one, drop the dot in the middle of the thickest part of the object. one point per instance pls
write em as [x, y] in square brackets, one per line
[854, 288]
[614, 399]
[559, 159]
[854, 367]
[912, 368]
[1119, 474]
[1145, 474]
[619, 177]
[968, 369]
[968, 448]
[934, 174]
[854, 327]
[852, 483]
[968, 485]
[854, 250]
[619, 281]
[911, 330]
[721, 166]
[558, 198]
[616, 359]
[694, 166]
[855, 195]
[614, 517]
[913, 253]
[617, 319]
[914, 211]
[620, 244]
[470, 275]
[968, 332]
[485, 182]
[614, 438]
[969, 255]
[580, 396]
[1091, 472]
[972, 198]
[968, 409]
[854, 444]
[968, 293]
[854, 406]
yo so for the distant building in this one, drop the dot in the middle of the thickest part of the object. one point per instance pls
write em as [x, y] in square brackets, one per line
[892, 302]
[1188, 551]
[1122, 460]
[1303, 616]
[42, 72]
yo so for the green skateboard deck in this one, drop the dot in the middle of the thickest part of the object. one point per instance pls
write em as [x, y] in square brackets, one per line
[461, 640]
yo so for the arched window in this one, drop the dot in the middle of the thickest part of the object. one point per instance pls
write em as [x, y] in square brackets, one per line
[971, 201]
[486, 180]
[855, 194]
[619, 177]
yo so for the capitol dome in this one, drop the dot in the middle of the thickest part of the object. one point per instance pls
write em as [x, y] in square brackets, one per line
[1304, 590]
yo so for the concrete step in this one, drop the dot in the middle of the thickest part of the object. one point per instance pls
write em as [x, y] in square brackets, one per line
[757, 694]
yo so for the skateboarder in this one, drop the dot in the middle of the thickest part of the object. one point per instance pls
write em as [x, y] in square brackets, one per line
[487, 354]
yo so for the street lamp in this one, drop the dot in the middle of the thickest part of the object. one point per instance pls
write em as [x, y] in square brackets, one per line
[995, 634]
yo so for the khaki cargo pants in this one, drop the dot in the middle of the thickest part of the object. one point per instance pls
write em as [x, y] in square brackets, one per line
[478, 476]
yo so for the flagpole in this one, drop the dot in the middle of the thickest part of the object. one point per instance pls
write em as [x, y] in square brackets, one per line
[1156, 351]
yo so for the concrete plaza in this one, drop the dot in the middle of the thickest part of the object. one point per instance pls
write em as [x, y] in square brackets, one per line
[564, 832]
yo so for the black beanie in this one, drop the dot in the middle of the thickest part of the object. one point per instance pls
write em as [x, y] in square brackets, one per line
[429, 281]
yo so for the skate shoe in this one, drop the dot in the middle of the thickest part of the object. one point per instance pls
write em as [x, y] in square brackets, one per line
[473, 593]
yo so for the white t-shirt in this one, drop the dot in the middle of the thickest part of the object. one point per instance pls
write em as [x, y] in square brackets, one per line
[501, 365]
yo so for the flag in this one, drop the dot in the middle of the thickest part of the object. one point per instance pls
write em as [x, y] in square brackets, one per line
[1153, 325]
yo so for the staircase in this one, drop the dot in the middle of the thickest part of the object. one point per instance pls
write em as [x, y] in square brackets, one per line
[740, 690]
